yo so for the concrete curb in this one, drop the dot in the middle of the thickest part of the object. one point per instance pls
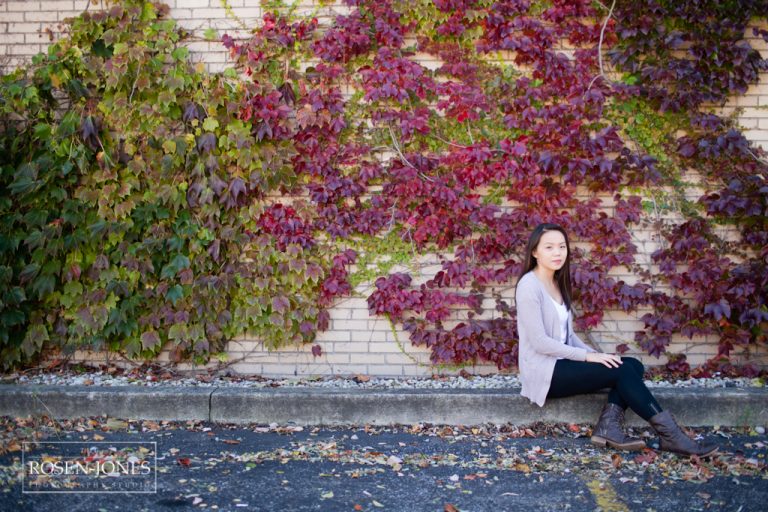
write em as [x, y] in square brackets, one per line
[133, 402]
[323, 406]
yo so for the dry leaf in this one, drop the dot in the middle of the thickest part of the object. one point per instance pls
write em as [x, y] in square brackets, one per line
[115, 424]
[525, 468]
[149, 425]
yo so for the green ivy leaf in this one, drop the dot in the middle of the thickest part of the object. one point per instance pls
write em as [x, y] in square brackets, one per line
[12, 317]
[210, 34]
[72, 291]
[24, 180]
[181, 53]
[210, 124]
[29, 272]
[34, 338]
[630, 79]
[178, 332]
[174, 293]
[43, 131]
[43, 286]
[178, 263]
[169, 146]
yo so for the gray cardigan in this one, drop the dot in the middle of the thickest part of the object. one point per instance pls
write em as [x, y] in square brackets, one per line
[538, 328]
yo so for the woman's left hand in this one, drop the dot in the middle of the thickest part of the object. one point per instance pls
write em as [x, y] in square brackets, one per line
[609, 360]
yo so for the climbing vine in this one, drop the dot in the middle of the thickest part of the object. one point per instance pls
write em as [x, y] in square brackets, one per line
[169, 172]
[132, 200]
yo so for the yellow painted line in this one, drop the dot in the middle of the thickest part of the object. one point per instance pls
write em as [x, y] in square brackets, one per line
[605, 496]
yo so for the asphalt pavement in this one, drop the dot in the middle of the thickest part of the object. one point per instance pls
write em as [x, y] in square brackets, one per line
[416, 467]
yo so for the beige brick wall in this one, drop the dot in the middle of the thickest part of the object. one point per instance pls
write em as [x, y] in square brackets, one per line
[751, 108]
[355, 342]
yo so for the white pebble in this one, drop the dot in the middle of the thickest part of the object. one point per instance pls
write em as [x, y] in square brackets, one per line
[452, 382]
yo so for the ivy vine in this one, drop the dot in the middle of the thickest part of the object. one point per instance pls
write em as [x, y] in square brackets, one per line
[132, 198]
[141, 215]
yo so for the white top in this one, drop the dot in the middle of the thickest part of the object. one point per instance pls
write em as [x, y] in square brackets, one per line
[562, 312]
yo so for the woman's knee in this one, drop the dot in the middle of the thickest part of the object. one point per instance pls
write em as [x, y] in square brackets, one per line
[633, 365]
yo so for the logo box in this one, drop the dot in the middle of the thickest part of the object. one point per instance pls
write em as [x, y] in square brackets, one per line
[89, 467]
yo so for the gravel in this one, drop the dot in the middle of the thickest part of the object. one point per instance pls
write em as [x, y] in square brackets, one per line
[100, 378]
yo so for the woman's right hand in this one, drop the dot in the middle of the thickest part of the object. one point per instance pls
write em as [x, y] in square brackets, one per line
[609, 360]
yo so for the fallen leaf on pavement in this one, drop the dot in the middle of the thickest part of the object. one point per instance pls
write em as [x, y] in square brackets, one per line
[395, 462]
[150, 426]
[525, 468]
[647, 457]
[115, 424]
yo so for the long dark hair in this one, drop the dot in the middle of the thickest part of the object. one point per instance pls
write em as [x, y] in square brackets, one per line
[563, 274]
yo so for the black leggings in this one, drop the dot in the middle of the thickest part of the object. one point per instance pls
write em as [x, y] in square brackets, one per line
[626, 384]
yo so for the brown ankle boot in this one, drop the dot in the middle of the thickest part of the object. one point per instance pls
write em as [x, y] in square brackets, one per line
[610, 430]
[673, 439]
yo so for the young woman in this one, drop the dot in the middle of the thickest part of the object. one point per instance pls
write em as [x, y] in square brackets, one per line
[555, 363]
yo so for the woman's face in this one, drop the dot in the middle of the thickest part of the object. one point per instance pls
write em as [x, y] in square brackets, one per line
[551, 251]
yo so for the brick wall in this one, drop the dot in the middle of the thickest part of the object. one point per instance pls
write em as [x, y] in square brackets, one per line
[355, 341]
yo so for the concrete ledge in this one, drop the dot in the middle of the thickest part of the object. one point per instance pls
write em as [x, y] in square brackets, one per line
[318, 406]
[128, 402]
[699, 407]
